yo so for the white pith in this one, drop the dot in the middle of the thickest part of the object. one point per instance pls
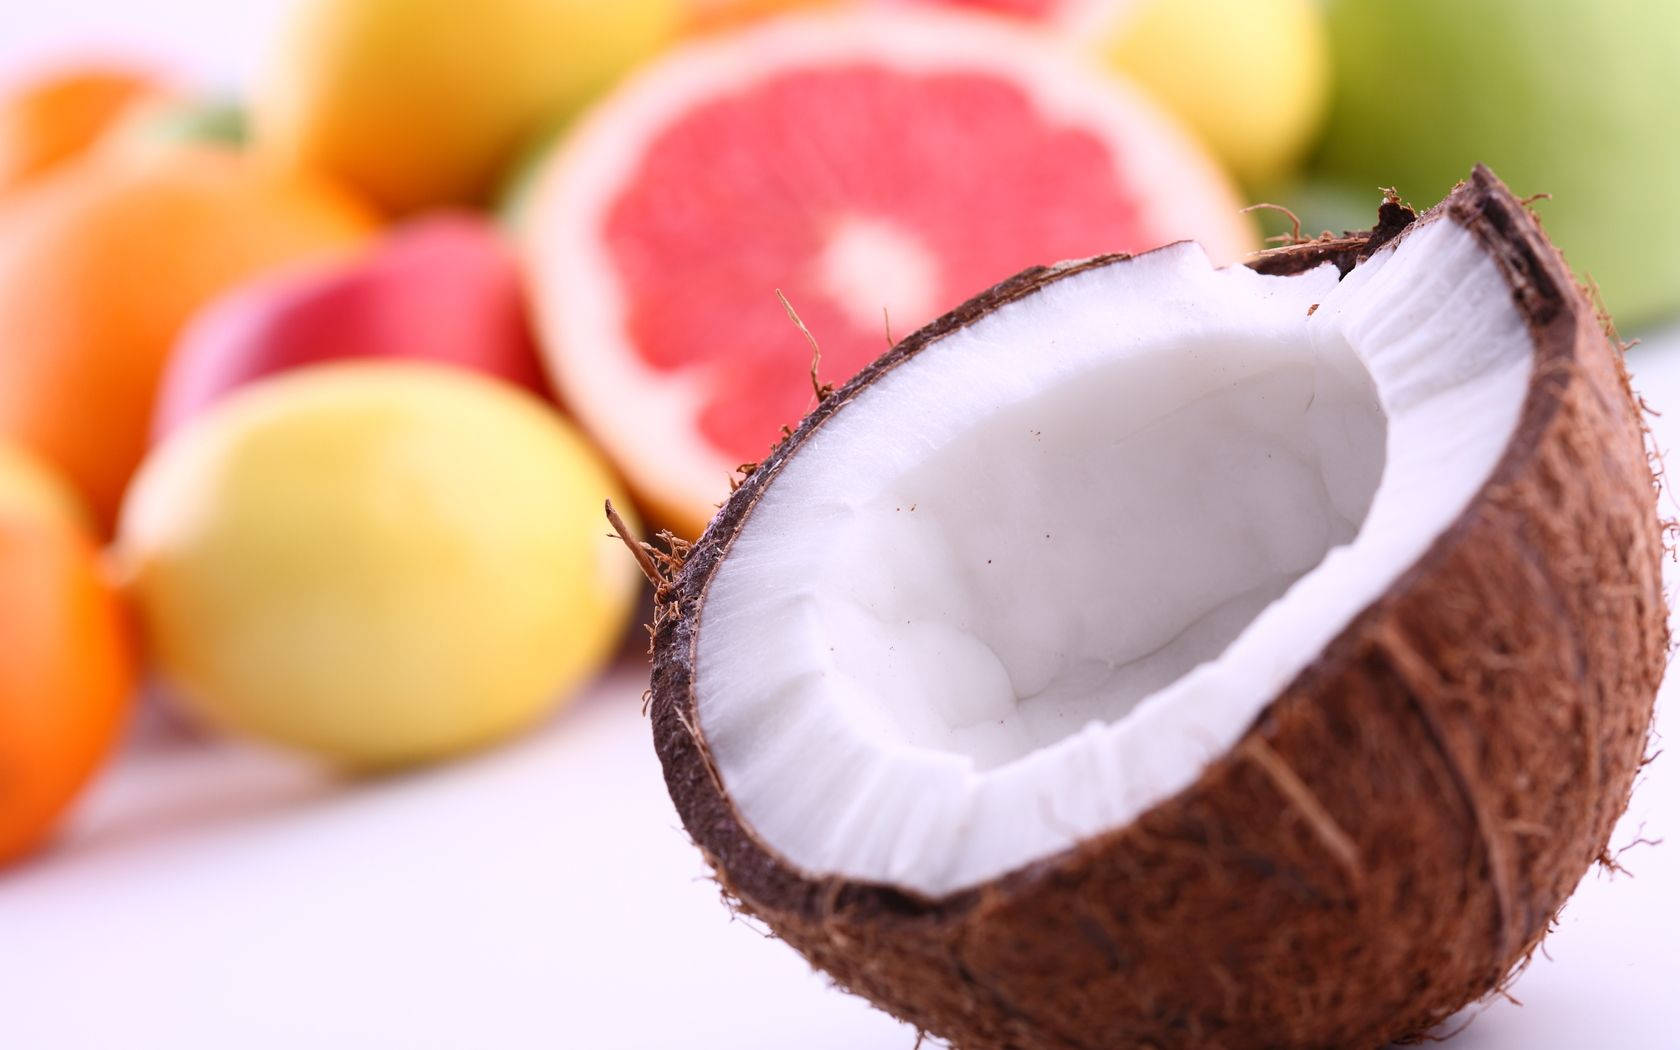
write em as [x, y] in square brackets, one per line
[875, 270]
[644, 417]
[1033, 580]
[1096, 21]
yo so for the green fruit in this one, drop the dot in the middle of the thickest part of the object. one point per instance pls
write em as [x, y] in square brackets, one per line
[1574, 98]
[1320, 205]
[518, 182]
[206, 122]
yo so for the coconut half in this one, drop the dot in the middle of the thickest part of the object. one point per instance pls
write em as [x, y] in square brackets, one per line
[1152, 654]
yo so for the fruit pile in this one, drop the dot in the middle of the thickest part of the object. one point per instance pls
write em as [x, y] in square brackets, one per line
[309, 402]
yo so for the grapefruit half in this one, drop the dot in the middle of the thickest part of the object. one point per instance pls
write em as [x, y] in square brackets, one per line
[876, 167]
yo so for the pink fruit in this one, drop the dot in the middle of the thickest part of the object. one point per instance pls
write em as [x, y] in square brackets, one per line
[445, 289]
[875, 167]
[1043, 10]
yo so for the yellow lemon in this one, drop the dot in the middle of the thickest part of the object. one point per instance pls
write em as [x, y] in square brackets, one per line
[380, 563]
[1574, 98]
[1252, 76]
[422, 102]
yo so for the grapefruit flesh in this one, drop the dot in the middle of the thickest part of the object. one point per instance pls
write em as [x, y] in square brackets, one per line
[876, 169]
[1043, 10]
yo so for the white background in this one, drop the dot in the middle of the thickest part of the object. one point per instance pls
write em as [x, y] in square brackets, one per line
[212, 896]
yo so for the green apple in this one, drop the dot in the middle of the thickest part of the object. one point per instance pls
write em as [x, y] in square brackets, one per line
[1574, 98]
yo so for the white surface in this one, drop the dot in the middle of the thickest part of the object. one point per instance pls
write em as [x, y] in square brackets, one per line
[217, 43]
[541, 896]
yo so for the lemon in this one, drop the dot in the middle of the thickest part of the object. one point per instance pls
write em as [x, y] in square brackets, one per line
[1251, 76]
[421, 103]
[380, 563]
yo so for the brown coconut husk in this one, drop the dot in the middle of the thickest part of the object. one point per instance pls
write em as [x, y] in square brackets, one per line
[1393, 834]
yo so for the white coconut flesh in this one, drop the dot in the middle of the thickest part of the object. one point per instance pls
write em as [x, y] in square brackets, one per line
[1031, 581]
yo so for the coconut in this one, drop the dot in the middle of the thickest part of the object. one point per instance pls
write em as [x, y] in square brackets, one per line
[1147, 654]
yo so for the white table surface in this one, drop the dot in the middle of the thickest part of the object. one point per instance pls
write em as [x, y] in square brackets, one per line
[209, 895]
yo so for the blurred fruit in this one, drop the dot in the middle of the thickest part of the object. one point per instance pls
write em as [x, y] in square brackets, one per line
[170, 123]
[1252, 77]
[378, 562]
[102, 264]
[423, 102]
[46, 121]
[511, 199]
[446, 289]
[1322, 205]
[65, 667]
[1575, 99]
[877, 167]
[704, 16]
[1058, 13]
[29, 485]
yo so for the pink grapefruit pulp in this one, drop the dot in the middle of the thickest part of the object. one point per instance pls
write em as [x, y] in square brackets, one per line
[877, 168]
[1041, 10]
[1075, 16]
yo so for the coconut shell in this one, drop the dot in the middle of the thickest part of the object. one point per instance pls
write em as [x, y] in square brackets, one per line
[1394, 833]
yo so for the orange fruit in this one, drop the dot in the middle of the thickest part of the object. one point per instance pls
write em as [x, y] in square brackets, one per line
[66, 671]
[29, 485]
[47, 120]
[101, 266]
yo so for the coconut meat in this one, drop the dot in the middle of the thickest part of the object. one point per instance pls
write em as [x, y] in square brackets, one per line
[1032, 580]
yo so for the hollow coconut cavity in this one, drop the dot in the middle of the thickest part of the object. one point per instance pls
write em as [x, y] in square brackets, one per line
[1148, 653]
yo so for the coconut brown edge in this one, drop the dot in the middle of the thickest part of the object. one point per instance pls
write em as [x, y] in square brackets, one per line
[1397, 828]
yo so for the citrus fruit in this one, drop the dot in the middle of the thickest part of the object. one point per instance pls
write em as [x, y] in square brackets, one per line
[46, 120]
[871, 166]
[445, 288]
[1252, 77]
[101, 265]
[377, 562]
[65, 666]
[27, 484]
[1048, 11]
[1575, 99]
[707, 15]
[423, 102]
